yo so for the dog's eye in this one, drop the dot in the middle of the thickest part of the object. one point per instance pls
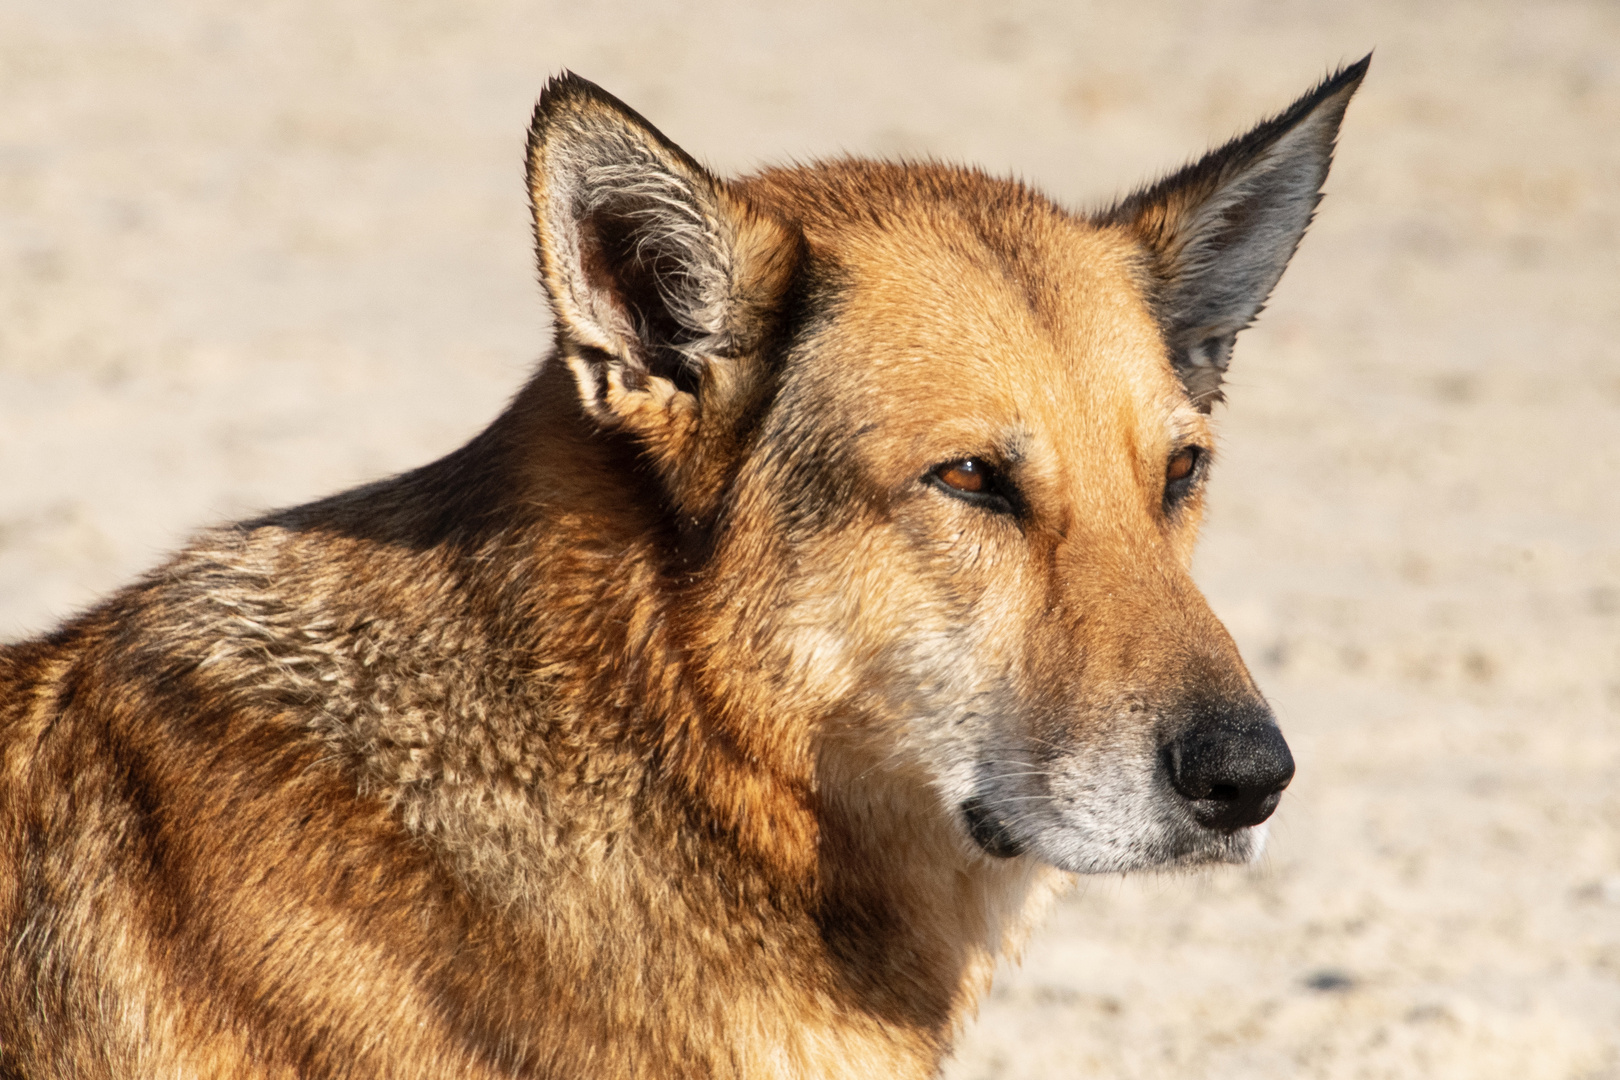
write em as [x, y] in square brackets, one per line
[976, 481]
[1181, 464]
[971, 475]
[1180, 473]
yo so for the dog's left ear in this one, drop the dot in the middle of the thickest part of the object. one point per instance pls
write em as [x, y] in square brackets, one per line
[1219, 232]
[663, 283]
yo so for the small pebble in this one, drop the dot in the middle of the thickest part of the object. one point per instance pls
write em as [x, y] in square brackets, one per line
[1330, 981]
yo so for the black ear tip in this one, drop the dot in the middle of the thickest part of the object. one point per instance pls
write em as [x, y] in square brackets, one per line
[565, 89]
[568, 97]
[1345, 80]
[567, 83]
[1327, 100]
[565, 93]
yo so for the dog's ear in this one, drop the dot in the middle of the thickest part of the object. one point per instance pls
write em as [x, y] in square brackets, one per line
[663, 283]
[1219, 232]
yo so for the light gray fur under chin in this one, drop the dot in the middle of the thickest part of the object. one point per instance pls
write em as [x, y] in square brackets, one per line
[1164, 844]
[1233, 849]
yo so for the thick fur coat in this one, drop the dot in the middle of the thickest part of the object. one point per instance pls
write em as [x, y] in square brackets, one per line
[729, 705]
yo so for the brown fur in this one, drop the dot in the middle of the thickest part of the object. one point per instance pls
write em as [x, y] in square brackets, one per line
[634, 738]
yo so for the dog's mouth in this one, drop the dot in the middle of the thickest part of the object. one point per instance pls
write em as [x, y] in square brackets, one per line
[1139, 822]
[991, 831]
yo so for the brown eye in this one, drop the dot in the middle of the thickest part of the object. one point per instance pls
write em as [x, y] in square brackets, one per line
[970, 476]
[1181, 464]
[976, 481]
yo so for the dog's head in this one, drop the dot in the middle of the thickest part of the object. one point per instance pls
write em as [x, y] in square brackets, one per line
[935, 450]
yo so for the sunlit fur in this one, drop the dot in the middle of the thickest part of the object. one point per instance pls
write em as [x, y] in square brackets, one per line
[634, 738]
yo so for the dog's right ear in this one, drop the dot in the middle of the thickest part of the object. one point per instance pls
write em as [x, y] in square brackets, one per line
[1219, 232]
[663, 284]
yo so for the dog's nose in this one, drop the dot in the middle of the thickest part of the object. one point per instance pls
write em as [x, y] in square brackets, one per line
[1231, 769]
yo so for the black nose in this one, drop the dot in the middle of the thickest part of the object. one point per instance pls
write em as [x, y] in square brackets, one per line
[1231, 767]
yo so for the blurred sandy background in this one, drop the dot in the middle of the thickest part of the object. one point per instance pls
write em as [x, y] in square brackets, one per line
[252, 253]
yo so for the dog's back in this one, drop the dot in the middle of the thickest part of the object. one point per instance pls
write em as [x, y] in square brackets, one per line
[186, 844]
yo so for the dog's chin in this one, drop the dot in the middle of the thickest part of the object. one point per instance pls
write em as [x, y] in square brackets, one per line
[1177, 847]
[1240, 847]
[1211, 848]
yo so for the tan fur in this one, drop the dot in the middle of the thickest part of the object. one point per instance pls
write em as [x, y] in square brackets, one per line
[634, 738]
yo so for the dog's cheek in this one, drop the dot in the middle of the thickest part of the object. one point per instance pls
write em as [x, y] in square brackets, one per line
[855, 617]
[1185, 528]
[818, 658]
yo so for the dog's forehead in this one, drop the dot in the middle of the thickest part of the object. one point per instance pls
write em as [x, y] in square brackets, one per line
[968, 310]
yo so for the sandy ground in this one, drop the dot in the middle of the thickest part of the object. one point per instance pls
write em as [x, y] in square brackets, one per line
[250, 254]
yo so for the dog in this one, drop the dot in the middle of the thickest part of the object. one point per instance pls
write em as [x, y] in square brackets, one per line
[731, 703]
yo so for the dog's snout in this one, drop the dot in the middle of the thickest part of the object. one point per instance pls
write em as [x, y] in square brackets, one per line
[1231, 768]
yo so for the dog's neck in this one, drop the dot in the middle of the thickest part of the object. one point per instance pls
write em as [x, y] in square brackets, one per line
[629, 761]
